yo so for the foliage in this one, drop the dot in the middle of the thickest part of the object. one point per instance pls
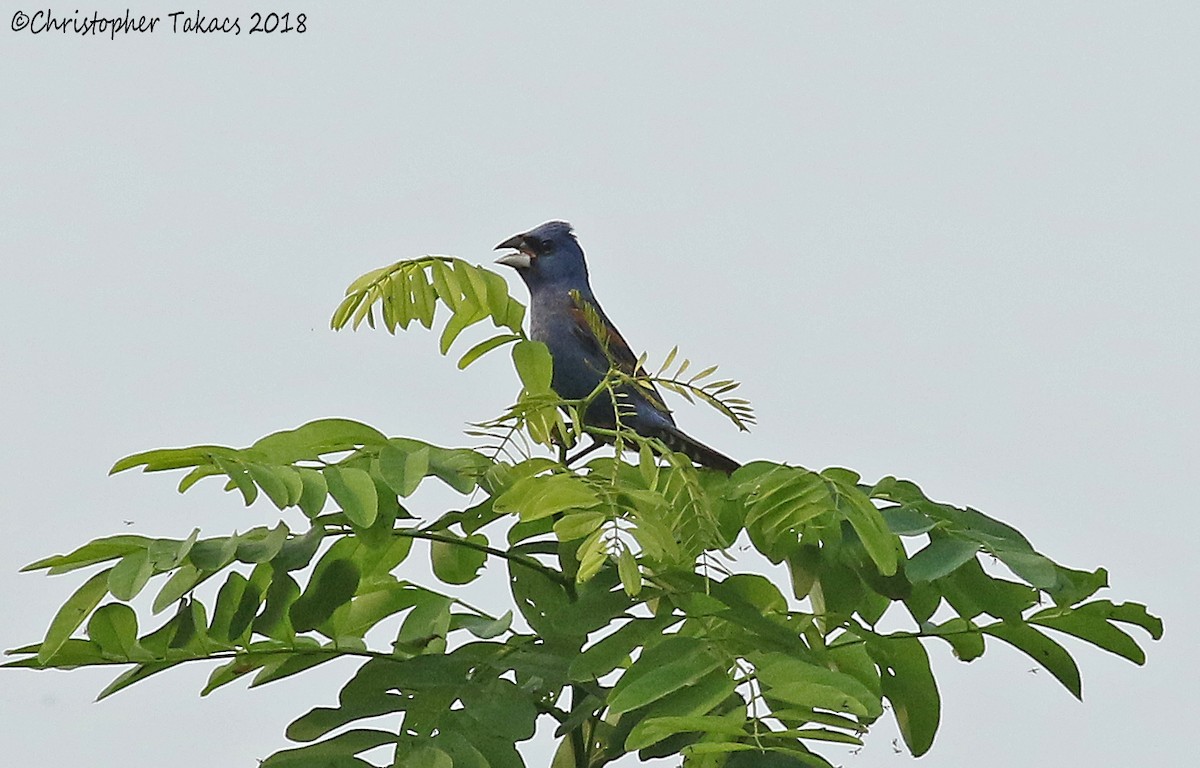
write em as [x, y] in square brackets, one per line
[628, 627]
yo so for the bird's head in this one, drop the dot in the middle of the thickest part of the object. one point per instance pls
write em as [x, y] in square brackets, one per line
[548, 253]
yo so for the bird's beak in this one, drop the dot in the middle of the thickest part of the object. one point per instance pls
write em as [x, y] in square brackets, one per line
[519, 260]
[516, 242]
[515, 260]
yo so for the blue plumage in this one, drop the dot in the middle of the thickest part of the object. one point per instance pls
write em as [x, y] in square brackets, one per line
[551, 262]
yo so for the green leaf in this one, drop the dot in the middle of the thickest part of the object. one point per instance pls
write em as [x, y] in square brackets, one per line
[881, 544]
[784, 753]
[578, 525]
[848, 654]
[739, 611]
[313, 492]
[403, 469]
[483, 627]
[456, 563]
[355, 491]
[272, 482]
[497, 296]
[72, 653]
[963, 636]
[274, 621]
[995, 535]
[1076, 586]
[483, 347]
[543, 495]
[427, 624]
[360, 698]
[231, 671]
[424, 297]
[557, 614]
[459, 468]
[805, 715]
[907, 521]
[336, 752]
[423, 757]
[592, 555]
[779, 500]
[378, 562]
[196, 475]
[709, 693]
[1127, 613]
[1036, 569]
[166, 554]
[315, 438]
[114, 628]
[468, 301]
[288, 664]
[72, 613]
[971, 591]
[341, 315]
[923, 601]
[672, 664]
[939, 558]
[445, 284]
[213, 554]
[190, 622]
[475, 284]
[239, 477]
[374, 277]
[909, 685]
[655, 729]
[514, 317]
[373, 606]
[97, 551]
[612, 651]
[396, 301]
[1041, 649]
[172, 458]
[333, 585]
[126, 578]
[462, 749]
[258, 545]
[804, 564]
[237, 602]
[534, 365]
[1089, 622]
[755, 590]
[298, 551]
[627, 569]
[457, 323]
[795, 681]
[291, 480]
[180, 583]
[135, 675]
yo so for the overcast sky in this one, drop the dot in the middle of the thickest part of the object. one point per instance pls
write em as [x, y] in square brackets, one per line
[954, 242]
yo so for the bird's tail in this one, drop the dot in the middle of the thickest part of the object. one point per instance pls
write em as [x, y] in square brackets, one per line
[695, 450]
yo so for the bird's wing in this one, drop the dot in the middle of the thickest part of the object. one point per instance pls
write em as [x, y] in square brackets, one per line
[594, 329]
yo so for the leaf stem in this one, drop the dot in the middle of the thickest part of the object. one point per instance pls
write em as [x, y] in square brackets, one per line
[512, 557]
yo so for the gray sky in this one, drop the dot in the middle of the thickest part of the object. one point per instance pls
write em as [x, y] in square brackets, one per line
[953, 242]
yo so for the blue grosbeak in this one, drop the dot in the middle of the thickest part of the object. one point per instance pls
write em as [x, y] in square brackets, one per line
[550, 261]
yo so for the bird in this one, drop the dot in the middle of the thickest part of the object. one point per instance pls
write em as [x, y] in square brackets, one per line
[566, 317]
